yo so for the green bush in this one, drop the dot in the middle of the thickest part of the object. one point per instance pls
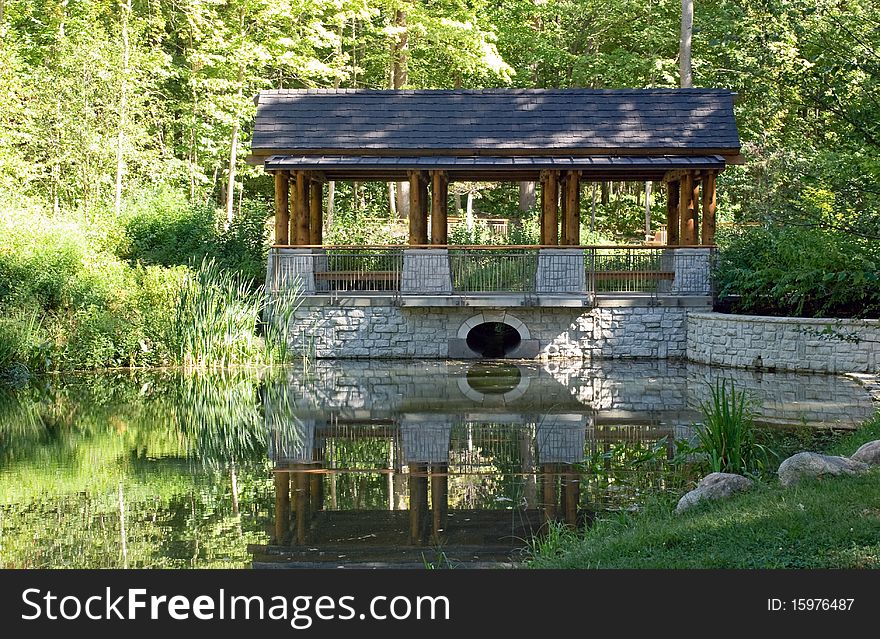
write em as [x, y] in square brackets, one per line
[800, 272]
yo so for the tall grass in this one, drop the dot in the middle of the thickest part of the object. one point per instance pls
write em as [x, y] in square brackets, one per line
[218, 320]
[21, 349]
[726, 436]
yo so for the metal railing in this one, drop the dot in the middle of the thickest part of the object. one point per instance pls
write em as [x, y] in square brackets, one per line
[570, 270]
[494, 270]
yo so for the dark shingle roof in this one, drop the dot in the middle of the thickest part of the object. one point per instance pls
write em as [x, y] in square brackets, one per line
[499, 121]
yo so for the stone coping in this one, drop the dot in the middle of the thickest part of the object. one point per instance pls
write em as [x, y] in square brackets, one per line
[773, 319]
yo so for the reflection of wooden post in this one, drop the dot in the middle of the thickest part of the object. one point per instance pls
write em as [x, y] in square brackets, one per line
[301, 208]
[439, 497]
[418, 500]
[282, 210]
[548, 480]
[673, 235]
[439, 207]
[709, 206]
[282, 505]
[316, 491]
[316, 211]
[572, 495]
[550, 207]
[303, 506]
[530, 488]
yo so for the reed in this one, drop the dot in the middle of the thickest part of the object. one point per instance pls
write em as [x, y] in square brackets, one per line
[726, 436]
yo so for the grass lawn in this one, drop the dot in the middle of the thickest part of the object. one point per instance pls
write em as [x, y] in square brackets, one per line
[830, 523]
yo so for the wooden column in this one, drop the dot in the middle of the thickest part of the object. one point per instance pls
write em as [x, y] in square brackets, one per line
[301, 208]
[316, 211]
[550, 207]
[571, 496]
[548, 481]
[282, 208]
[303, 504]
[282, 505]
[695, 198]
[572, 217]
[439, 207]
[418, 209]
[673, 196]
[709, 206]
[418, 501]
[541, 210]
[439, 497]
[686, 211]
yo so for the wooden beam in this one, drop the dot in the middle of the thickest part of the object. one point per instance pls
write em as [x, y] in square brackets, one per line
[709, 206]
[282, 208]
[439, 207]
[301, 208]
[316, 211]
[418, 209]
[550, 203]
[282, 506]
[572, 216]
[686, 211]
[673, 195]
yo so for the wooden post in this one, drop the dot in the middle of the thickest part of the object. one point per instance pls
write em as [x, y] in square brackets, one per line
[695, 199]
[316, 211]
[572, 219]
[709, 206]
[548, 480]
[686, 211]
[439, 497]
[572, 496]
[418, 209]
[282, 505]
[541, 226]
[550, 207]
[673, 195]
[303, 505]
[301, 208]
[418, 500]
[439, 207]
[282, 208]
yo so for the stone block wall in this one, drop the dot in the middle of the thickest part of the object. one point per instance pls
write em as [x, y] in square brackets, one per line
[784, 343]
[385, 330]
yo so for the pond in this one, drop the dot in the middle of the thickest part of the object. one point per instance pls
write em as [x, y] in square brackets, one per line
[356, 463]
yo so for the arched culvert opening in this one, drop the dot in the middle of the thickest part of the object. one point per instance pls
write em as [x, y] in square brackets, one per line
[493, 339]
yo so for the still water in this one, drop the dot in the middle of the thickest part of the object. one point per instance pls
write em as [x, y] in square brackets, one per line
[368, 463]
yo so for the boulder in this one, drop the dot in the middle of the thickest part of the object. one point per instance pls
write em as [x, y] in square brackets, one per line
[714, 486]
[868, 453]
[814, 465]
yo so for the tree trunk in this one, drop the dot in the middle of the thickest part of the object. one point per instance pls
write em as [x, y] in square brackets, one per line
[526, 196]
[123, 107]
[331, 205]
[469, 215]
[399, 79]
[647, 208]
[233, 152]
[684, 45]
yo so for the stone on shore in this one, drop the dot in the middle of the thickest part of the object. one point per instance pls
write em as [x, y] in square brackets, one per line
[714, 486]
[868, 453]
[813, 465]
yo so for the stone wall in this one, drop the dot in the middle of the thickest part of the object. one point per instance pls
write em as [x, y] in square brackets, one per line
[784, 343]
[383, 329]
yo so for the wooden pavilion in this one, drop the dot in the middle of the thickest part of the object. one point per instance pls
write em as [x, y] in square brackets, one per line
[560, 138]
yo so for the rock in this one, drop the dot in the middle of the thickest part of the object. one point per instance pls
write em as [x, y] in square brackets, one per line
[714, 486]
[804, 465]
[868, 453]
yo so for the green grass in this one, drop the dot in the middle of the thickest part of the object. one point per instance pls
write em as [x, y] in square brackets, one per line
[832, 523]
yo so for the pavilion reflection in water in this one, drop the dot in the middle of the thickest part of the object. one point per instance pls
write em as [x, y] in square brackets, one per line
[498, 451]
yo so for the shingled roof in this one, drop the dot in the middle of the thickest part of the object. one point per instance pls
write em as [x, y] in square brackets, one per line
[498, 122]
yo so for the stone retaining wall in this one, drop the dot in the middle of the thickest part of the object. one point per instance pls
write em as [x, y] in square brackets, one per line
[383, 329]
[784, 343]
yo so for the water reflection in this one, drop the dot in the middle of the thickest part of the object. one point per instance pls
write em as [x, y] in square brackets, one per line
[476, 458]
[370, 463]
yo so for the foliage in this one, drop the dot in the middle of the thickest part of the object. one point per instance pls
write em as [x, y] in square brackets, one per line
[726, 435]
[800, 272]
[217, 318]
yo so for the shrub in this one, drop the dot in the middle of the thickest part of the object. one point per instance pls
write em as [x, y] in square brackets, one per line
[799, 272]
